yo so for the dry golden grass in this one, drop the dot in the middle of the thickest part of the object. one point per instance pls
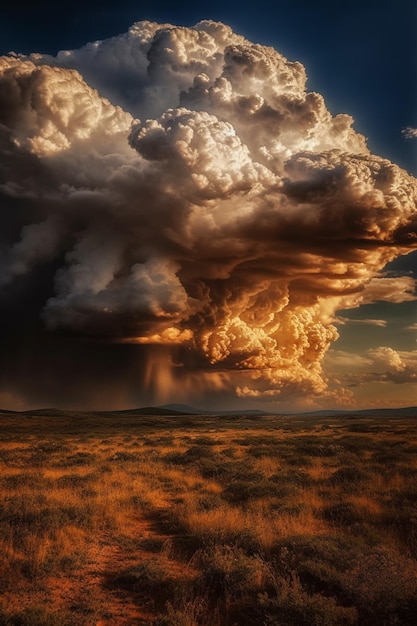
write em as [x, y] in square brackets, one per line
[128, 520]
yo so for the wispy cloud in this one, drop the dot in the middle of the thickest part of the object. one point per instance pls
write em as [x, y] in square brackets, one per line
[369, 322]
[409, 132]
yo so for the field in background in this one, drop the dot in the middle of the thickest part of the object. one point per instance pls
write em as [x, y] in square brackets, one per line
[124, 519]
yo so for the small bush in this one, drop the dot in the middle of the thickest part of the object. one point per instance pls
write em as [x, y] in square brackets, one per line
[36, 616]
[185, 613]
[152, 580]
[342, 513]
[291, 605]
[383, 587]
[241, 491]
[77, 459]
[348, 477]
[227, 573]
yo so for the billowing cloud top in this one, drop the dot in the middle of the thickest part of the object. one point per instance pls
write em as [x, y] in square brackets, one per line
[189, 191]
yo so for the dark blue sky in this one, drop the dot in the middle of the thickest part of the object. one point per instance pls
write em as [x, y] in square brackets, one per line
[360, 55]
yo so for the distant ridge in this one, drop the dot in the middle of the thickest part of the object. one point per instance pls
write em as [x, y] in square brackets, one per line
[164, 410]
[182, 408]
[190, 410]
[405, 411]
[50, 412]
[152, 410]
[185, 409]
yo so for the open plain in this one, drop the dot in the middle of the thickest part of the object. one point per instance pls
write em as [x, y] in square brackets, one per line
[124, 519]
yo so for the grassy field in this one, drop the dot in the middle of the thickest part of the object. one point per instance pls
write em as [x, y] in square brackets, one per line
[124, 519]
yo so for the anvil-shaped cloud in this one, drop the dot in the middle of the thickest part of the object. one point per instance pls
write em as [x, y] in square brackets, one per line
[190, 192]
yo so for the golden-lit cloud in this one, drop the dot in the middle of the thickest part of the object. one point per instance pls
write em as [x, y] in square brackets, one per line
[189, 192]
[377, 365]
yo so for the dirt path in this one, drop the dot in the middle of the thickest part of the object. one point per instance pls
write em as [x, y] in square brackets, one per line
[107, 560]
[88, 592]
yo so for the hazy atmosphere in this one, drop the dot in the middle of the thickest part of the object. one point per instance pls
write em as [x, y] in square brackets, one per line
[185, 218]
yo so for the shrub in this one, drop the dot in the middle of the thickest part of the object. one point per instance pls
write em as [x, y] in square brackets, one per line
[185, 613]
[77, 459]
[227, 573]
[383, 586]
[152, 579]
[36, 616]
[343, 513]
[348, 477]
[241, 491]
[291, 605]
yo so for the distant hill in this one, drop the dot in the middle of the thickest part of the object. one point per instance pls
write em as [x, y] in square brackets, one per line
[407, 411]
[190, 410]
[154, 410]
[51, 412]
[185, 409]
[166, 409]
[182, 408]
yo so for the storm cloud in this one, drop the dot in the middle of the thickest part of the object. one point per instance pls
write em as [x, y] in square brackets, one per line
[188, 197]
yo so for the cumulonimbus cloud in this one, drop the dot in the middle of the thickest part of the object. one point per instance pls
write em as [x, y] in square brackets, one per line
[192, 193]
